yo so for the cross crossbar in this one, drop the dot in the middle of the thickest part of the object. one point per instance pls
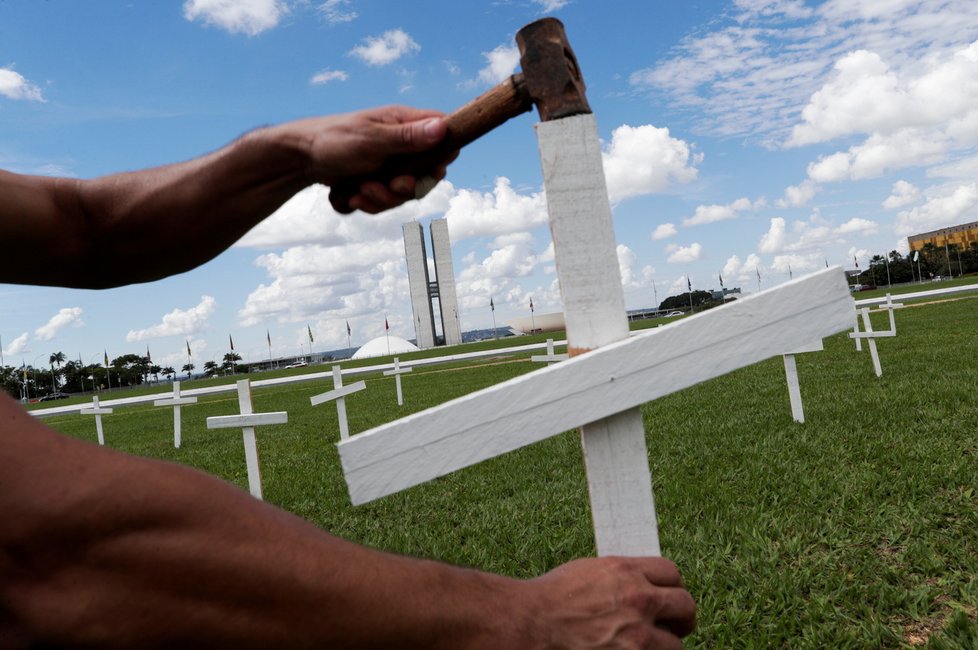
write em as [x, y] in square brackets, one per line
[595, 385]
[549, 357]
[339, 394]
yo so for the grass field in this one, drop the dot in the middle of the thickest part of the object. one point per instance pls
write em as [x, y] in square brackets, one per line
[857, 529]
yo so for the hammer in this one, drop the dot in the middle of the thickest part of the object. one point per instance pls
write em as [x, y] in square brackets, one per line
[551, 80]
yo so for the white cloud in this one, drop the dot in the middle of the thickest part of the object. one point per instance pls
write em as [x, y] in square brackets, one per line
[713, 213]
[679, 254]
[796, 196]
[335, 11]
[626, 263]
[794, 264]
[14, 86]
[178, 322]
[732, 266]
[249, 17]
[18, 345]
[67, 316]
[479, 214]
[858, 226]
[386, 48]
[880, 154]
[773, 240]
[327, 75]
[645, 159]
[903, 193]
[501, 63]
[547, 6]
[664, 231]
[950, 206]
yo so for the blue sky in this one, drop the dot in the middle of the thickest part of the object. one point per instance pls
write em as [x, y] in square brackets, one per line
[740, 137]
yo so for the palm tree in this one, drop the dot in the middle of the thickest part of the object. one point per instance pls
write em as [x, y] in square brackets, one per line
[56, 358]
[229, 360]
[169, 372]
[188, 368]
[155, 370]
[210, 367]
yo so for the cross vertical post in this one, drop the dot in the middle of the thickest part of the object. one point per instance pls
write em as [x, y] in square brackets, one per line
[397, 372]
[550, 358]
[98, 412]
[616, 457]
[176, 402]
[339, 394]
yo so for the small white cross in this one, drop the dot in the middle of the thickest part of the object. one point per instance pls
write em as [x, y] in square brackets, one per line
[248, 420]
[550, 358]
[871, 336]
[339, 394]
[176, 402]
[397, 371]
[98, 412]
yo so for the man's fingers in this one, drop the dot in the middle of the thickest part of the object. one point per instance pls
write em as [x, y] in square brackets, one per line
[676, 611]
[421, 135]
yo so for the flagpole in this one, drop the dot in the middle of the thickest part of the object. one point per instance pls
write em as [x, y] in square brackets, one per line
[349, 346]
[655, 296]
[387, 332]
[886, 258]
[492, 308]
[689, 286]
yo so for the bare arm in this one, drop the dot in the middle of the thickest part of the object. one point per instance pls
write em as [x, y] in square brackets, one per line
[100, 230]
[101, 549]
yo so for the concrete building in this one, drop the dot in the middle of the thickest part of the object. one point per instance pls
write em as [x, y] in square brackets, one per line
[424, 291]
[963, 236]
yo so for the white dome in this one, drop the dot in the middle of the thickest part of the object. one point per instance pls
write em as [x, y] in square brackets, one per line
[378, 347]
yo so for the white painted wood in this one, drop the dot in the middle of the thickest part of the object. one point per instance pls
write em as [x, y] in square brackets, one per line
[98, 412]
[794, 388]
[814, 346]
[619, 481]
[928, 293]
[891, 306]
[856, 335]
[397, 372]
[248, 420]
[548, 358]
[589, 387]
[339, 394]
[868, 326]
[176, 402]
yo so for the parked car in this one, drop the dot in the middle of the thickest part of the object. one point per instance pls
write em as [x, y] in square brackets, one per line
[54, 396]
[297, 364]
[674, 313]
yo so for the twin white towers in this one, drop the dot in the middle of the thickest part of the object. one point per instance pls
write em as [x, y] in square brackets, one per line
[424, 291]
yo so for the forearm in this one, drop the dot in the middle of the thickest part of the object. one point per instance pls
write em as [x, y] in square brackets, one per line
[109, 550]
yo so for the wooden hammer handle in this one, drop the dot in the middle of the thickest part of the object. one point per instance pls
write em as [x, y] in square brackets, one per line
[468, 123]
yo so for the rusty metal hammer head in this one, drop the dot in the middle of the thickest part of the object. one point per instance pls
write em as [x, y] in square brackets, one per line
[551, 74]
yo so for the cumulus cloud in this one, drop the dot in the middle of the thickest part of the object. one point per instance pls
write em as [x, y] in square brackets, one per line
[547, 6]
[679, 254]
[386, 48]
[18, 345]
[645, 159]
[500, 64]
[796, 196]
[14, 86]
[478, 214]
[773, 240]
[326, 75]
[68, 316]
[626, 264]
[249, 17]
[879, 154]
[903, 193]
[949, 206]
[178, 322]
[858, 226]
[664, 231]
[713, 213]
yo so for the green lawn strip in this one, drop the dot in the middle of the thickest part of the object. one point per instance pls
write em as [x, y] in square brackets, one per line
[855, 529]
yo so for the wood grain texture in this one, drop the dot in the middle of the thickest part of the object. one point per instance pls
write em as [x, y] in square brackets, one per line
[593, 386]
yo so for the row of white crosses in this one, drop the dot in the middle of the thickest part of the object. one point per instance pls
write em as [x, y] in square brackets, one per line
[600, 391]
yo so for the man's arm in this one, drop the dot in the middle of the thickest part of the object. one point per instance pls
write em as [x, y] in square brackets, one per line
[99, 230]
[101, 549]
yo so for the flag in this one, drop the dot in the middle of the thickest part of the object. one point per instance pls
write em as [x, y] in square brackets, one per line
[758, 272]
[231, 341]
[689, 285]
[188, 347]
[148, 357]
[531, 304]
[916, 255]
[856, 261]
[790, 274]
[491, 305]
[826, 262]
[106, 355]
[387, 326]
[348, 332]
[721, 280]
[268, 337]
[309, 330]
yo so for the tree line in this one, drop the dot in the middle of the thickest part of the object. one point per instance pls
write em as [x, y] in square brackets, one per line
[932, 262]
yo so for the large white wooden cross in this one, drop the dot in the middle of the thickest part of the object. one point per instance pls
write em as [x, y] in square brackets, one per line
[98, 412]
[176, 402]
[397, 372]
[248, 420]
[600, 391]
[594, 386]
[339, 394]
[550, 357]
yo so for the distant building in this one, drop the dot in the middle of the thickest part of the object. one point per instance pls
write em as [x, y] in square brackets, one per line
[962, 236]
[424, 291]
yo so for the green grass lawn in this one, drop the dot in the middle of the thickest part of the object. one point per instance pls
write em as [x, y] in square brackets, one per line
[857, 529]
